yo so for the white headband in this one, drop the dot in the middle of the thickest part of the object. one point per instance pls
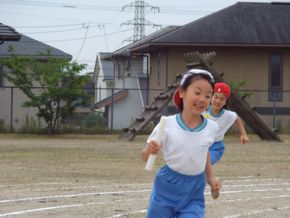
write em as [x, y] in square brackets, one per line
[196, 71]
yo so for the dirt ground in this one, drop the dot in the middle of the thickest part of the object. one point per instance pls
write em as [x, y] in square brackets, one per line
[101, 176]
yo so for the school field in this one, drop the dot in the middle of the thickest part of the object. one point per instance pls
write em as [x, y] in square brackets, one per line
[101, 176]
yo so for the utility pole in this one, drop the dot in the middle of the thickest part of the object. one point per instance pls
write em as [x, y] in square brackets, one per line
[139, 22]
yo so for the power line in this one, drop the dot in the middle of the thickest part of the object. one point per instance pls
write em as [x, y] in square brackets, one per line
[87, 29]
[92, 24]
[165, 10]
[65, 30]
[81, 38]
[60, 5]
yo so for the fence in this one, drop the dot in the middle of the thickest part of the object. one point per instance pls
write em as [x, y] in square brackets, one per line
[120, 111]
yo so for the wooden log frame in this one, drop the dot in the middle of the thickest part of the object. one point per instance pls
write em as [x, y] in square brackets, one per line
[150, 111]
[236, 103]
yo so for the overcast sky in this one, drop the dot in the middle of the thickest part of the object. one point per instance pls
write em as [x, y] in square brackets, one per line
[83, 28]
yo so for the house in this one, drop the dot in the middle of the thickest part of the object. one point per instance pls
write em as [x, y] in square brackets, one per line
[116, 90]
[252, 43]
[123, 79]
[12, 114]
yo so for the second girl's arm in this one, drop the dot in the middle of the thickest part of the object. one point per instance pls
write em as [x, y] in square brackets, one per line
[243, 137]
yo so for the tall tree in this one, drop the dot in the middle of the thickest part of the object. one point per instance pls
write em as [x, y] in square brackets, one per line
[54, 86]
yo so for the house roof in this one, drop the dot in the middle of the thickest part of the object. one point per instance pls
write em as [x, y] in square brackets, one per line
[107, 66]
[8, 33]
[242, 24]
[108, 101]
[27, 46]
[125, 51]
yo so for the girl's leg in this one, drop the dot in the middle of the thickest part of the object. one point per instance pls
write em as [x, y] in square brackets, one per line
[161, 205]
[195, 208]
[159, 211]
[173, 191]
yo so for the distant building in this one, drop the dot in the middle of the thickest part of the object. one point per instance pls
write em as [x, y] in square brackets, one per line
[121, 82]
[252, 43]
[12, 113]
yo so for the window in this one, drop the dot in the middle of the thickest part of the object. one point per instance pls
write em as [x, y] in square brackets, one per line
[158, 68]
[119, 70]
[275, 78]
[1, 76]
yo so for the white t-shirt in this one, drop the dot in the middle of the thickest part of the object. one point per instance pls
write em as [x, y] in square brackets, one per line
[224, 119]
[186, 151]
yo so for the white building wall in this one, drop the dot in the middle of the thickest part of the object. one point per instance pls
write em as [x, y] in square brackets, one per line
[125, 110]
[12, 112]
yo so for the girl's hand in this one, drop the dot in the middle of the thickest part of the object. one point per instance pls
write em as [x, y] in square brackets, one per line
[244, 139]
[153, 147]
[215, 185]
[215, 188]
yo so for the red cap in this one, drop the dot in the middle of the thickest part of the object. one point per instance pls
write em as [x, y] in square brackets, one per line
[222, 88]
[176, 99]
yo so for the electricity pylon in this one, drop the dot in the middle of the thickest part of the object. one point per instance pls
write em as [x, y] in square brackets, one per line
[139, 22]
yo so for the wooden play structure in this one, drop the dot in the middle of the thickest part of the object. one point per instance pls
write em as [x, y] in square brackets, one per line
[236, 103]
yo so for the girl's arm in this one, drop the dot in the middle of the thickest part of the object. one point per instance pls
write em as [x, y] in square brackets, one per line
[244, 137]
[210, 178]
[152, 148]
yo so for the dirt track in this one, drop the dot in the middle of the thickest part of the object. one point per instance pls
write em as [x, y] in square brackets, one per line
[100, 176]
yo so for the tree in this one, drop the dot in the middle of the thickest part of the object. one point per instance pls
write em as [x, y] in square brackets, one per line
[54, 86]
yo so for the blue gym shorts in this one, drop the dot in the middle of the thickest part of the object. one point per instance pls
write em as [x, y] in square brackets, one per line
[216, 151]
[175, 195]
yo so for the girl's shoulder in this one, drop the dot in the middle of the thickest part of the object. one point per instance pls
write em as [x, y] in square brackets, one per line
[230, 113]
[170, 118]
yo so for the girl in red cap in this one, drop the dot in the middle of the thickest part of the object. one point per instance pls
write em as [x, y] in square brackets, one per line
[225, 119]
[179, 185]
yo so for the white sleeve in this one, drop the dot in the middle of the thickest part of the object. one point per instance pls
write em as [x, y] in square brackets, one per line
[153, 134]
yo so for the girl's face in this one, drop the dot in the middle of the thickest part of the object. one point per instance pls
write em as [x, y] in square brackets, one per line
[196, 98]
[218, 101]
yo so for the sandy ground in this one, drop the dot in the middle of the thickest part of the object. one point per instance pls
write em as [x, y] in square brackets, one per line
[101, 176]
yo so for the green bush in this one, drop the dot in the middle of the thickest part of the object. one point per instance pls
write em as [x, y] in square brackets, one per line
[3, 127]
[93, 120]
[236, 87]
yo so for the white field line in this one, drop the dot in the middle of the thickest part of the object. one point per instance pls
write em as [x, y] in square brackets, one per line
[255, 190]
[81, 187]
[122, 192]
[137, 184]
[63, 207]
[36, 184]
[45, 208]
[73, 195]
[105, 183]
[60, 183]
[254, 185]
[225, 201]
[246, 199]
[129, 213]
[254, 212]
[122, 200]
[225, 179]
[253, 180]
